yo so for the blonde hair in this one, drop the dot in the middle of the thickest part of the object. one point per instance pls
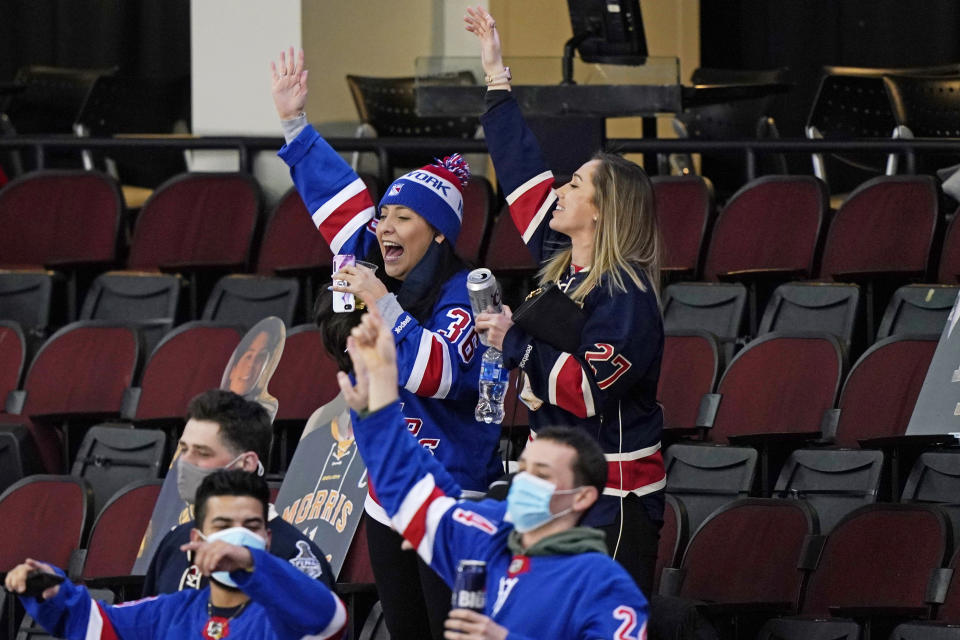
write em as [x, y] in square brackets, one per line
[627, 237]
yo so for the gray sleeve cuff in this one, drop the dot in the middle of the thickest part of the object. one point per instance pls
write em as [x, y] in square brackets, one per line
[390, 309]
[293, 127]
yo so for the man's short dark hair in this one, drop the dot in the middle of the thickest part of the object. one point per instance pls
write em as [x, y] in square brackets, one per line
[230, 482]
[590, 465]
[244, 424]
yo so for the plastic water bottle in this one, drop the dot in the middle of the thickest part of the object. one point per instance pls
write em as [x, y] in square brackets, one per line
[493, 387]
[484, 295]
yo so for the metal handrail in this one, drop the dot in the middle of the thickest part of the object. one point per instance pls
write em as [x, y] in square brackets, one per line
[245, 145]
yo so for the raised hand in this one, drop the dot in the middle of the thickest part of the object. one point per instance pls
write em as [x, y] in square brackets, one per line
[218, 556]
[374, 355]
[289, 84]
[480, 23]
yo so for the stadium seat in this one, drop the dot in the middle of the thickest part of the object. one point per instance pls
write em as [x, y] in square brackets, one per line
[948, 270]
[673, 537]
[374, 626]
[118, 531]
[356, 568]
[59, 217]
[707, 477]
[799, 629]
[778, 384]
[881, 389]
[291, 243]
[879, 558]
[918, 309]
[752, 551]
[44, 516]
[197, 220]
[882, 234]
[684, 206]
[771, 226]
[26, 297]
[111, 457]
[13, 355]
[189, 360]
[478, 208]
[813, 306]
[833, 481]
[718, 308]
[927, 106]
[688, 369]
[245, 300]
[147, 300]
[18, 454]
[506, 253]
[935, 479]
[79, 374]
[304, 381]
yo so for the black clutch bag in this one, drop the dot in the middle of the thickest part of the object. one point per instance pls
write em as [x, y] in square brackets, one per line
[549, 315]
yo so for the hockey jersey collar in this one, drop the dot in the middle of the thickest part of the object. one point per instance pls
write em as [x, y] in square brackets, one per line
[566, 543]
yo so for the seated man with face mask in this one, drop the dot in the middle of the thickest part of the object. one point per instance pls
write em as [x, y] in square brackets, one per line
[252, 594]
[224, 431]
[546, 577]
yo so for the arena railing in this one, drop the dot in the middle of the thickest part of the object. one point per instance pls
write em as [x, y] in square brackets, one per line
[247, 146]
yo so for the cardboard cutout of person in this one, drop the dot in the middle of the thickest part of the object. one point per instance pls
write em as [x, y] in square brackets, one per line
[254, 362]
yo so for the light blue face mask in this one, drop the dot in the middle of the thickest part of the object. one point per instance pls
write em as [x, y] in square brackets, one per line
[240, 536]
[528, 501]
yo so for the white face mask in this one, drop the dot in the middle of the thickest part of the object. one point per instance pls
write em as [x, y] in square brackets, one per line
[240, 536]
[528, 501]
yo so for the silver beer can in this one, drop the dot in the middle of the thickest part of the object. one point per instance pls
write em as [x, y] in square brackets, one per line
[484, 292]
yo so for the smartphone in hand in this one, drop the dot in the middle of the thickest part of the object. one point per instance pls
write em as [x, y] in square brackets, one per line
[343, 302]
[40, 581]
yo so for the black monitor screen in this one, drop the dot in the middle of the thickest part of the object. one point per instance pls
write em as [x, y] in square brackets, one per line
[612, 30]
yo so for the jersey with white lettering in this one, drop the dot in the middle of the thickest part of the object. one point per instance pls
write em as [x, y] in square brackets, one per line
[284, 603]
[583, 596]
[608, 386]
[439, 359]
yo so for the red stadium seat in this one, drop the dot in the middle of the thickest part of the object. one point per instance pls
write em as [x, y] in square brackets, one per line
[506, 252]
[13, 354]
[291, 242]
[82, 370]
[197, 220]
[59, 217]
[684, 213]
[45, 517]
[478, 202]
[881, 389]
[118, 531]
[189, 360]
[779, 383]
[673, 537]
[688, 370]
[948, 271]
[772, 224]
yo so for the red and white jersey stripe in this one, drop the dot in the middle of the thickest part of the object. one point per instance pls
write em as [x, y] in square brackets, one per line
[339, 218]
[419, 515]
[432, 371]
[569, 387]
[638, 472]
[530, 202]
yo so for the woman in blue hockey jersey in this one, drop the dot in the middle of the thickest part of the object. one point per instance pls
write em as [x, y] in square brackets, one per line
[423, 296]
[597, 238]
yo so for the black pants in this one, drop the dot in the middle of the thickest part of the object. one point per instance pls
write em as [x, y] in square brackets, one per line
[415, 600]
[638, 542]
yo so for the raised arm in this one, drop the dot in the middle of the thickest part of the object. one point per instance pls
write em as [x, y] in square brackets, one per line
[335, 196]
[522, 171]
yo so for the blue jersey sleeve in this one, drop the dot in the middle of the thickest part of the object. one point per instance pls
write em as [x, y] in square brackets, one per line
[335, 196]
[408, 483]
[297, 605]
[523, 175]
[439, 358]
[74, 615]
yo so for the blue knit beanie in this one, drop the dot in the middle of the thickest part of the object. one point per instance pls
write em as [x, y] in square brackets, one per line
[435, 192]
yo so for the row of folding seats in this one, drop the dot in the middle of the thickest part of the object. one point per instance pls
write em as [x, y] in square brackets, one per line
[91, 371]
[756, 559]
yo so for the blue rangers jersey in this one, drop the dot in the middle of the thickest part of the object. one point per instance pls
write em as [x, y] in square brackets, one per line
[584, 596]
[284, 603]
[438, 360]
[607, 387]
